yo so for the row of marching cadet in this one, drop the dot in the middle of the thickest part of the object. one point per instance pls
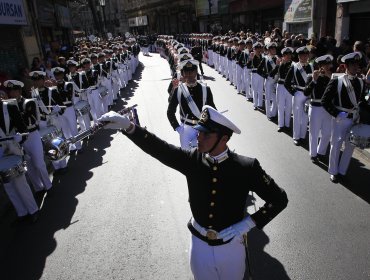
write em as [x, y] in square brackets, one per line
[61, 112]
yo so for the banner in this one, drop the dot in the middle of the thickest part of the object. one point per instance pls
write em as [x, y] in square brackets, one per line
[12, 12]
[138, 21]
[298, 10]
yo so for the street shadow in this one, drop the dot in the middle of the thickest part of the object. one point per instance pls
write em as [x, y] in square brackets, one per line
[132, 85]
[208, 78]
[262, 265]
[24, 248]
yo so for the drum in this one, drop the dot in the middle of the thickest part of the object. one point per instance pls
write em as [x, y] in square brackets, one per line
[11, 167]
[359, 136]
[58, 149]
[82, 108]
[49, 133]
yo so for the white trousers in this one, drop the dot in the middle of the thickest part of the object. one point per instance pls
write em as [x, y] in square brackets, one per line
[233, 64]
[20, 194]
[210, 58]
[247, 83]
[300, 118]
[224, 262]
[230, 73]
[36, 167]
[270, 97]
[319, 123]
[341, 128]
[257, 87]
[96, 106]
[216, 60]
[145, 50]
[284, 103]
[239, 78]
[188, 137]
[69, 126]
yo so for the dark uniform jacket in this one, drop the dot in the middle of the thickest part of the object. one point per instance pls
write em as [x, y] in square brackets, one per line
[315, 90]
[83, 84]
[197, 53]
[255, 62]
[291, 83]
[330, 99]
[226, 184]
[66, 93]
[265, 68]
[92, 77]
[16, 121]
[28, 109]
[197, 94]
[282, 71]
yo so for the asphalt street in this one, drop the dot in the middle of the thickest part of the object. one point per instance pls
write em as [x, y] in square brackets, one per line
[120, 214]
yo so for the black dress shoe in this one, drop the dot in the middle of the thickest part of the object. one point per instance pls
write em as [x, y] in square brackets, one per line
[315, 159]
[280, 129]
[255, 108]
[34, 217]
[334, 178]
[296, 142]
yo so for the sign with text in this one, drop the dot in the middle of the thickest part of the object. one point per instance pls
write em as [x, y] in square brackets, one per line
[298, 10]
[12, 12]
[138, 21]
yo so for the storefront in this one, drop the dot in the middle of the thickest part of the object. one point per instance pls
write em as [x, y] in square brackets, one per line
[12, 53]
[298, 17]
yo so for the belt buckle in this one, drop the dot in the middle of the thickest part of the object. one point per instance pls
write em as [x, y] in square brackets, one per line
[211, 234]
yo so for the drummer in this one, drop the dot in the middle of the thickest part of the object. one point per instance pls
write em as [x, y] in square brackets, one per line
[68, 119]
[17, 189]
[341, 99]
[36, 166]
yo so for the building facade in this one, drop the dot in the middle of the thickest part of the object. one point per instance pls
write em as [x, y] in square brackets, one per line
[159, 16]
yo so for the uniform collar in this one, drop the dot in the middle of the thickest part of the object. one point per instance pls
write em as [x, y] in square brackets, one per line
[219, 158]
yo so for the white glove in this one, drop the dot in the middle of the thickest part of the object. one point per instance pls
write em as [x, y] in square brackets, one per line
[17, 137]
[342, 115]
[180, 129]
[115, 120]
[56, 109]
[237, 229]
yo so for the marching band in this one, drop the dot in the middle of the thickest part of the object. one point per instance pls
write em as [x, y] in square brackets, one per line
[56, 115]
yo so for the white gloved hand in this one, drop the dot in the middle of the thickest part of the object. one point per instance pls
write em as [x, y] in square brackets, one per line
[342, 115]
[115, 120]
[237, 229]
[17, 137]
[180, 129]
[56, 109]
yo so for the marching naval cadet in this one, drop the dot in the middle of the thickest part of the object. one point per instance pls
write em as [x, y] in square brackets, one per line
[36, 167]
[79, 79]
[283, 97]
[341, 99]
[49, 102]
[319, 118]
[230, 57]
[93, 97]
[190, 96]
[295, 83]
[241, 61]
[257, 81]
[265, 69]
[68, 118]
[248, 70]
[17, 189]
[197, 53]
[219, 181]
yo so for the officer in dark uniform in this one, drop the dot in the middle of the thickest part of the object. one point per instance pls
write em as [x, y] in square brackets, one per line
[341, 99]
[219, 181]
[191, 96]
[197, 53]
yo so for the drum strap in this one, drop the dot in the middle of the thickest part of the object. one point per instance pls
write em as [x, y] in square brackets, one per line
[6, 118]
[343, 80]
[269, 60]
[190, 101]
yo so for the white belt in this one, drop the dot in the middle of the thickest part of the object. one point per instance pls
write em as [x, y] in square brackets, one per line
[315, 100]
[281, 80]
[189, 121]
[345, 109]
[202, 230]
[300, 88]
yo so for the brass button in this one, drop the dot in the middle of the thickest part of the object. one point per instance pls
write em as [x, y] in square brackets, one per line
[214, 180]
[214, 192]
[214, 168]
[212, 204]
[210, 226]
[210, 216]
[263, 211]
[146, 136]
